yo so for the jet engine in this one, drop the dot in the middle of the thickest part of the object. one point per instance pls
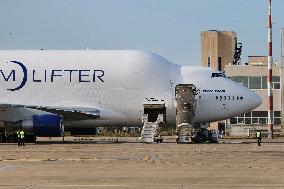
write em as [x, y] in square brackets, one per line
[44, 125]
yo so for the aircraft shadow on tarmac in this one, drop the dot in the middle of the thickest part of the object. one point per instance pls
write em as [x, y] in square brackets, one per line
[125, 141]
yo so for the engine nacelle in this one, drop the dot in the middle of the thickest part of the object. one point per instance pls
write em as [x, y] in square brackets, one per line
[45, 125]
[48, 125]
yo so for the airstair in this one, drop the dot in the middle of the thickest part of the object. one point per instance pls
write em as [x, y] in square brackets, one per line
[154, 115]
[148, 132]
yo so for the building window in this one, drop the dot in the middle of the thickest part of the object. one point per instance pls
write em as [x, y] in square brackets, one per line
[256, 117]
[276, 82]
[240, 120]
[276, 85]
[259, 114]
[233, 121]
[219, 63]
[209, 62]
[277, 114]
[254, 120]
[275, 79]
[248, 114]
[262, 121]
[255, 82]
[241, 80]
[264, 82]
[277, 121]
[248, 121]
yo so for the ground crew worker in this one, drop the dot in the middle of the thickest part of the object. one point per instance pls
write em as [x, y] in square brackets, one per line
[258, 137]
[19, 137]
[22, 136]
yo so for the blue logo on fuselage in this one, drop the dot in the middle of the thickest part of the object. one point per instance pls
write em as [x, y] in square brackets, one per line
[84, 75]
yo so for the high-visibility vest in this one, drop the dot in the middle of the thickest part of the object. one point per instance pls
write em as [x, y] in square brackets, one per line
[18, 133]
[258, 134]
[22, 133]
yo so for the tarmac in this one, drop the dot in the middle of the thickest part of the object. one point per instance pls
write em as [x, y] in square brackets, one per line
[105, 163]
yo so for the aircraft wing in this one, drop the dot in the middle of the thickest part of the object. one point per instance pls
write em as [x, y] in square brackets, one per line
[72, 113]
[69, 113]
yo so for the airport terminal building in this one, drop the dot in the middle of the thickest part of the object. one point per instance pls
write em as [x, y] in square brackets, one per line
[254, 76]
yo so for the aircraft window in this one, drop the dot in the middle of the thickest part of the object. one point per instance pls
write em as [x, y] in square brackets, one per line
[229, 98]
[220, 98]
[225, 97]
[218, 75]
[216, 97]
[237, 98]
[233, 97]
[241, 98]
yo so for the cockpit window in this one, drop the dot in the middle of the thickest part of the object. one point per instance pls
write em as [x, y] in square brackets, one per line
[218, 75]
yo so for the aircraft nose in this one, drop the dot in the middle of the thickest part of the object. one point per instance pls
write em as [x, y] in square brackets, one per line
[254, 100]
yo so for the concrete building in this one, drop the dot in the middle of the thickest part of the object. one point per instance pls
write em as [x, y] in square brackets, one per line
[218, 48]
[254, 76]
[220, 51]
[282, 84]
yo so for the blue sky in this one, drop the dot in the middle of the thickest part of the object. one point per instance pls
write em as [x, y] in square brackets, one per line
[170, 28]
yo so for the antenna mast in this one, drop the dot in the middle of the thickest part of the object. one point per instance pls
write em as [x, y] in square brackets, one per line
[269, 78]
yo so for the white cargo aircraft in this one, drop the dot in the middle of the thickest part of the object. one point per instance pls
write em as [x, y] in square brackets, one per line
[108, 88]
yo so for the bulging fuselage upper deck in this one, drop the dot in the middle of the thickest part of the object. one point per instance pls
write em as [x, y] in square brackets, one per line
[117, 83]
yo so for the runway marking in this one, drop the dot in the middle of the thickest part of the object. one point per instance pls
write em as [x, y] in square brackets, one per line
[49, 159]
[62, 185]
[144, 185]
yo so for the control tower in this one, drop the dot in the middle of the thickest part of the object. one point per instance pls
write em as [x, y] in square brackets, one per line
[219, 48]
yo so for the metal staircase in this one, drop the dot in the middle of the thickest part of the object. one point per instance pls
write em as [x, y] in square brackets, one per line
[238, 53]
[150, 129]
